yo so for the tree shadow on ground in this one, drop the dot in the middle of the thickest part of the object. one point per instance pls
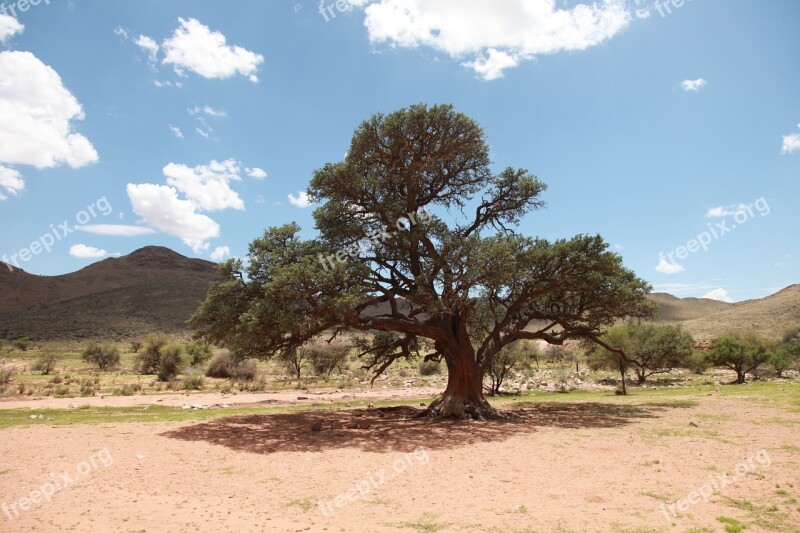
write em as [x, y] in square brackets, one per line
[393, 429]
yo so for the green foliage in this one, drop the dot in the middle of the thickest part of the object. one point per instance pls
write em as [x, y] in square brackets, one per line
[193, 381]
[171, 362]
[325, 358]
[147, 361]
[741, 353]
[46, 362]
[7, 373]
[698, 362]
[781, 360]
[519, 355]
[198, 353]
[105, 356]
[136, 346]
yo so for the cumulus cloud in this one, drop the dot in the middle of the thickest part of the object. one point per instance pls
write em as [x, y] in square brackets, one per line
[665, 267]
[256, 173]
[718, 294]
[301, 200]
[116, 230]
[160, 207]
[11, 182]
[9, 26]
[207, 186]
[81, 251]
[493, 36]
[38, 114]
[194, 47]
[791, 143]
[220, 253]
[693, 85]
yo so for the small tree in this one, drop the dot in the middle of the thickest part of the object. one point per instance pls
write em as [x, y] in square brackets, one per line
[511, 357]
[198, 353]
[658, 349]
[148, 359]
[21, 344]
[46, 362]
[740, 353]
[104, 356]
[325, 358]
[171, 362]
[781, 360]
[295, 360]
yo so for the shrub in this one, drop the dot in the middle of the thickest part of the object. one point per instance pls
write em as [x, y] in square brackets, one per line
[429, 368]
[21, 344]
[326, 358]
[224, 366]
[104, 356]
[147, 361]
[171, 362]
[7, 374]
[198, 353]
[193, 381]
[136, 346]
[45, 363]
[698, 362]
[781, 360]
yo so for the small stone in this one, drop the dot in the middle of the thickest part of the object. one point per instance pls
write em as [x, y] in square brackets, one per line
[352, 425]
[364, 425]
[302, 398]
[316, 426]
[693, 424]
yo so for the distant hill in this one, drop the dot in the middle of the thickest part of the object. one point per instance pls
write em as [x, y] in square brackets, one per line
[705, 319]
[152, 289]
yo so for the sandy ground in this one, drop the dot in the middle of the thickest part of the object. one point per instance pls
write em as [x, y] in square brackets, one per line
[200, 398]
[555, 467]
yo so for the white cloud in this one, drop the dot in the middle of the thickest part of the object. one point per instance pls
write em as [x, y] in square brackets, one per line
[256, 173]
[725, 211]
[176, 131]
[81, 251]
[160, 207]
[207, 186]
[791, 143]
[718, 294]
[693, 85]
[202, 133]
[149, 45]
[665, 267]
[220, 253]
[11, 182]
[37, 112]
[161, 84]
[116, 230]
[491, 67]
[301, 200]
[208, 110]
[121, 32]
[196, 48]
[493, 36]
[9, 26]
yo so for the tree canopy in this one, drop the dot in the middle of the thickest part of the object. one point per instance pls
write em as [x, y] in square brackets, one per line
[418, 242]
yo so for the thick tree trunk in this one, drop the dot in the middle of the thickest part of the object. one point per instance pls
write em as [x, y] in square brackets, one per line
[463, 398]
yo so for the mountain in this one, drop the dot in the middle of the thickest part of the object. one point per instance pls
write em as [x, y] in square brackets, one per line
[705, 319]
[151, 290]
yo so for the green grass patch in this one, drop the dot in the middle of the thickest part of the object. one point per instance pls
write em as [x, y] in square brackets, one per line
[731, 524]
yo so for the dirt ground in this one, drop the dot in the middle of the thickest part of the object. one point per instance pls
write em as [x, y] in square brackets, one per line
[553, 467]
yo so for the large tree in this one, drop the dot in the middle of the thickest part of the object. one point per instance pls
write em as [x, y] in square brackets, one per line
[417, 245]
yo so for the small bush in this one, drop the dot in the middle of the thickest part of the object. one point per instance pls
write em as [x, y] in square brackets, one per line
[698, 362]
[7, 374]
[136, 346]
[148, 360]
[171, 362]
[21, 344]
[193, 381]
[45, 363]
[104, 356]
[198, 353]
[245, 370]
[224, 366]
[57, 380]
[429, 368]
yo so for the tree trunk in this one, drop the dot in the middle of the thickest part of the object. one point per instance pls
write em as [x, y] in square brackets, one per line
[641, 376]
[622, 373]
[463, 397]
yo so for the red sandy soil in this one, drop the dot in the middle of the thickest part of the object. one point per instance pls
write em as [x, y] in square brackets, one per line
[553, 467]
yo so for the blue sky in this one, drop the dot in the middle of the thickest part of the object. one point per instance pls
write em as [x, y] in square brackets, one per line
[188, 124]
